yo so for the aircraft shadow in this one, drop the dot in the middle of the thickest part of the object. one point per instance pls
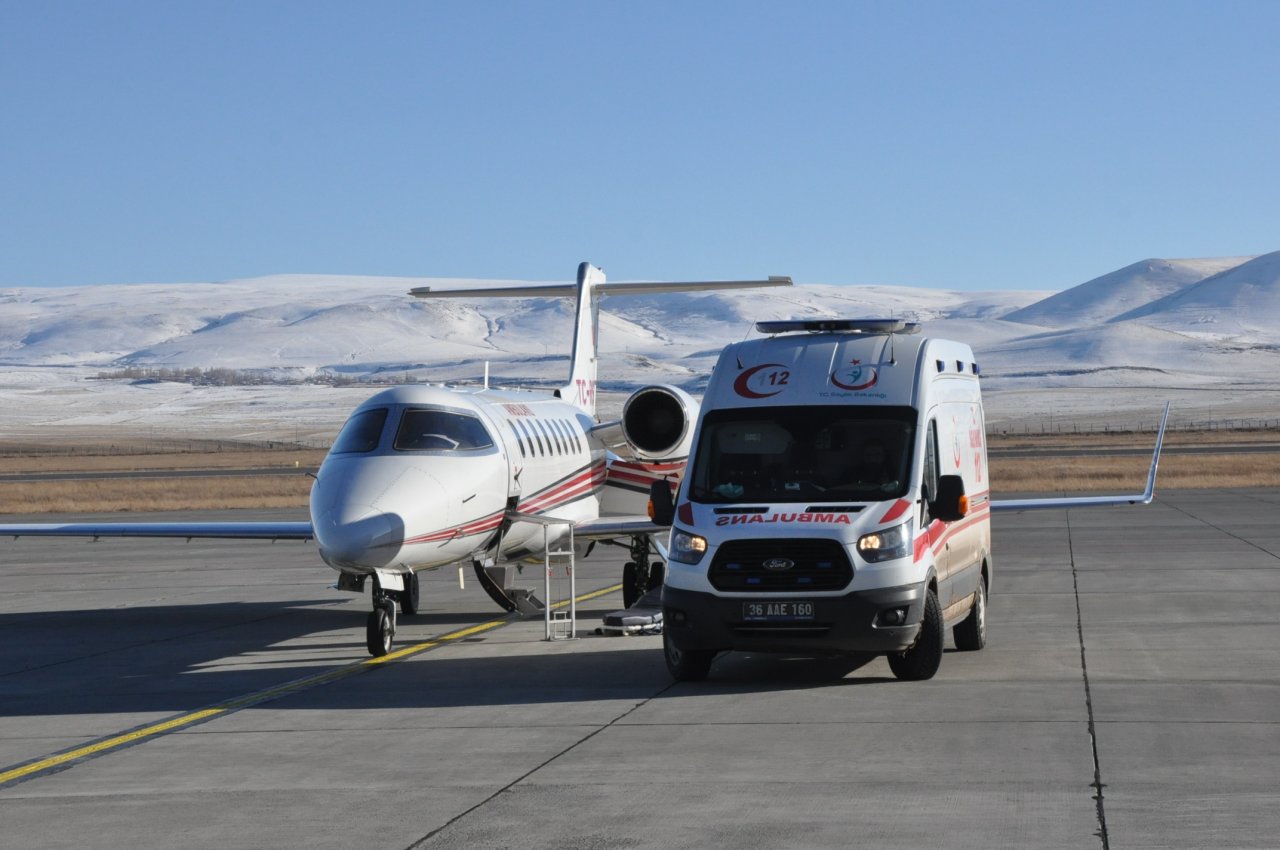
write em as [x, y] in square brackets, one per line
[182, 657]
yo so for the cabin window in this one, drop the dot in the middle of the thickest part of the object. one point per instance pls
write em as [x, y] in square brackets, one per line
[430, 429]
[519, 439]
[575, 444]
[561, 434]
[533, 436]
[552, 440]
[362, 433]
[551, 437]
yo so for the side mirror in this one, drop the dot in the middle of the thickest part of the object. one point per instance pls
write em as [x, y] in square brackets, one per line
[952, 503]
[662, 509]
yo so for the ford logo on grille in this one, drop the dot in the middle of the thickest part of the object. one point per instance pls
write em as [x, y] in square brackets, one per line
[779, 564]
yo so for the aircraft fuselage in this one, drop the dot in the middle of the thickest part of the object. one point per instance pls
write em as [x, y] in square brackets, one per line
[422, 477]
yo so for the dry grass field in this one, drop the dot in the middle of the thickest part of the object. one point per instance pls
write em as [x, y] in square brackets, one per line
[283, 483]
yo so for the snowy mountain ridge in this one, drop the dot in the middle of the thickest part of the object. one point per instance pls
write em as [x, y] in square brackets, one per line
[1168, 326]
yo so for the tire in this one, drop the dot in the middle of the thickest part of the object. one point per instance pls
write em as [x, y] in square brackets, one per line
[971, 632]
[411, 595]
[631, 589]
[924, 657]
[379, 632]
[686, 665]
[657, 575]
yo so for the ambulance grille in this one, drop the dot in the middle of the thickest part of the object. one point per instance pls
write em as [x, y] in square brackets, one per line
[815, 564]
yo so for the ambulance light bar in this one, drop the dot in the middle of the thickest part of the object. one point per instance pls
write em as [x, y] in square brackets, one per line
[862, 326]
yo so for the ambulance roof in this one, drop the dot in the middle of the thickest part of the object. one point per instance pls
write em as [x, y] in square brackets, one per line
[848, 362]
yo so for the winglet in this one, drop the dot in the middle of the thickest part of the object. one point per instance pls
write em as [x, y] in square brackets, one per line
[1150, 492]
[1143, 498]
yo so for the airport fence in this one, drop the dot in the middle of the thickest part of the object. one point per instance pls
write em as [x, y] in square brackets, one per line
[1058, 426]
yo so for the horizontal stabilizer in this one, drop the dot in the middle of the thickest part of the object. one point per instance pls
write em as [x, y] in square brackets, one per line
[569, 290]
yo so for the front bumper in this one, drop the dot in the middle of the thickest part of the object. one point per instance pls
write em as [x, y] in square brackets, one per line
[694, 620]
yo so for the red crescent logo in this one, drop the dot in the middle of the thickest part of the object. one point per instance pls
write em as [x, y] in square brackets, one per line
[868, 372]
[740, 385]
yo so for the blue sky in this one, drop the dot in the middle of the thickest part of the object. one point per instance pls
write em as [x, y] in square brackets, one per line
[948, 145]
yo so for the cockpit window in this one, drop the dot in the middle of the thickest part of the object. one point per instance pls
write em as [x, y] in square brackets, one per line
[426, 429]
[362, 432]
[803, 454]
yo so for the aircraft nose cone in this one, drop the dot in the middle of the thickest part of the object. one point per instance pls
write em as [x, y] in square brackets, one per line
[354, 535]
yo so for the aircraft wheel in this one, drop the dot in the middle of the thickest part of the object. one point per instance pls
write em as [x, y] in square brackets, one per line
[971, 632]
[686, 665]
[411, 595]
[924, 657]
[379, 631]
[657, 574]
[631, 590]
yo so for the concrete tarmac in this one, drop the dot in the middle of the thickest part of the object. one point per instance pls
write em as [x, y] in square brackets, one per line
[1132, 652]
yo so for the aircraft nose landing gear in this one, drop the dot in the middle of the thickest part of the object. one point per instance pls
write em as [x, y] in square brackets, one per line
[381, 627]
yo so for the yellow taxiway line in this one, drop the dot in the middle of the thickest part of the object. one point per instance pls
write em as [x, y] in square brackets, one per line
[181, 721]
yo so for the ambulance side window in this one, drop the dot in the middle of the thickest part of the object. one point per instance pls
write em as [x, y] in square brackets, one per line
[929, 486]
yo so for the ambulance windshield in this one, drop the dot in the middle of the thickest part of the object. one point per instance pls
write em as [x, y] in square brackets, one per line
[803, 454]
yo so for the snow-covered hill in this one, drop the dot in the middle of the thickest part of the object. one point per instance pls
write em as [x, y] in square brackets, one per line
[1206, 332]
[1104, 298]
[1239, 303]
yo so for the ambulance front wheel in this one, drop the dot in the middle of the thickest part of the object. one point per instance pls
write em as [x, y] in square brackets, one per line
[923, 658]
[686, 665]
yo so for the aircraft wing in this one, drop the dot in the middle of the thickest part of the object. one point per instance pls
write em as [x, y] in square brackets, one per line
[1143, 498]
[181, 530]
[617, 526]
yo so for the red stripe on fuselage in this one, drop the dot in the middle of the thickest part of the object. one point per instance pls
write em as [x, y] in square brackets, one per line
[467, 529]
[577, 484]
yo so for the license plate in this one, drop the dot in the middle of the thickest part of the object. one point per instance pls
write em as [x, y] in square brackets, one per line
[790, 610]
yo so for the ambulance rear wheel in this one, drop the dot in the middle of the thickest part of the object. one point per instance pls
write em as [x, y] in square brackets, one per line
[686, 665]
[924, 657]
[379, 631]
[971, 632]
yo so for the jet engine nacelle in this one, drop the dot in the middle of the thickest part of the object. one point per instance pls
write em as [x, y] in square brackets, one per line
[657, 423]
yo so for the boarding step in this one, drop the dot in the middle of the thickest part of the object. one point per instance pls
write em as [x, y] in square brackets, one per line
[526, 603]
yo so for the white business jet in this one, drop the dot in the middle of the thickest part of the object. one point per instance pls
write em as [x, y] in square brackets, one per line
[424, 477]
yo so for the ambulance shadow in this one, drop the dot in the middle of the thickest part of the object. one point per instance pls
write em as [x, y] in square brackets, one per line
[765, 671]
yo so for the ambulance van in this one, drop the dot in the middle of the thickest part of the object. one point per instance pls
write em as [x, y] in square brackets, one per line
[836, 501]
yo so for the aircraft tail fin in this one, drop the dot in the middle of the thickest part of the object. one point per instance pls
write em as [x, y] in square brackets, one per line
[581, 389]
[588, 290]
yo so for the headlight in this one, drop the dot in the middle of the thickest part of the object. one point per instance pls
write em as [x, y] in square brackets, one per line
[686, 548]
[887, 544]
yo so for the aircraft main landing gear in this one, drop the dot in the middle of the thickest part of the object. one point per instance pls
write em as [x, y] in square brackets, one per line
[639, 575]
